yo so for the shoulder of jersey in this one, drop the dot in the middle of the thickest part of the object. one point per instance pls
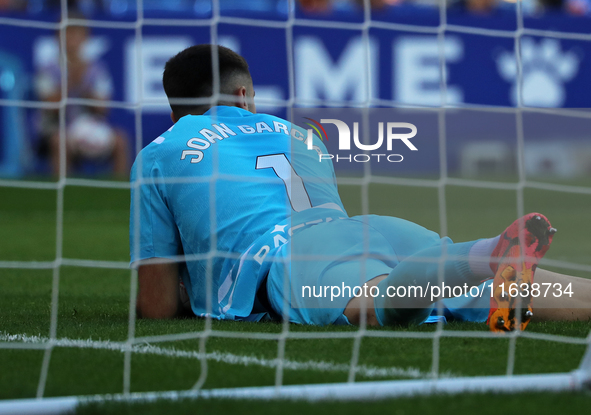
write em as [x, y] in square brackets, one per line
[192, 123]
[179, 128]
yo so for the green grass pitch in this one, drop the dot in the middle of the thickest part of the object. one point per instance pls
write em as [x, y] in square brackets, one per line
[94, 302]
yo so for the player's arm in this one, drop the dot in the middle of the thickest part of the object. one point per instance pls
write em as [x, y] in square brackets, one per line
[158, 291]
[157, 238]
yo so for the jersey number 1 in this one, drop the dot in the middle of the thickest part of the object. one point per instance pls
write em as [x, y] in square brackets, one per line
[296, 192]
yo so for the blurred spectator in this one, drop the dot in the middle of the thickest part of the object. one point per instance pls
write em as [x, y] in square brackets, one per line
[324, 6]
[551, 5]
[379, 4]
[477, 7]
[13, 4]
[480, 6]
[578, 7]
[88, 133]
[82, 6]
[316, 6]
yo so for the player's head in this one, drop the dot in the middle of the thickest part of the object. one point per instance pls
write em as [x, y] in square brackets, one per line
[76, 35]
[189, 74]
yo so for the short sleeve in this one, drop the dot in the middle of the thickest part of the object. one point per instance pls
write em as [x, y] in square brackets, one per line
[157, 233]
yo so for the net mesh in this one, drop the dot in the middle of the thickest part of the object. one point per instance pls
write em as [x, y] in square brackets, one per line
[134, 345]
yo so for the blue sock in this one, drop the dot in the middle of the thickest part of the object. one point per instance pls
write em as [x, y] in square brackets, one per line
[422, 270]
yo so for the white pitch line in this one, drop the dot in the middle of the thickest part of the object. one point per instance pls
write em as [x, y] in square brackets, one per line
[229, 358]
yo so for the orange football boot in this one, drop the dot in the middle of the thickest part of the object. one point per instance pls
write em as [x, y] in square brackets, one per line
[514, 261]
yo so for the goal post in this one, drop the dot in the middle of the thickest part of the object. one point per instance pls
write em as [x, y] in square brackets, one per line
[578, 380]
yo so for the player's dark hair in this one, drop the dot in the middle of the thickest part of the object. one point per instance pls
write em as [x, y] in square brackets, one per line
[189, 74]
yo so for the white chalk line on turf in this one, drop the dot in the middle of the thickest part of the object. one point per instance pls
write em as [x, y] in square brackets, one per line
[228, 358]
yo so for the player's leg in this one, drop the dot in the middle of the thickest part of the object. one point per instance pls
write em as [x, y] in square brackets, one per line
[322, 267]
[461, 265]
[561, 307]
[389, 240]
[547, 308]
[408, 292]
[420, 254]
[404, 294]
[355, 307]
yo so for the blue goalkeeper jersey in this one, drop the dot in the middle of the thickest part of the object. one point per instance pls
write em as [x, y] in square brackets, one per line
[212, 189]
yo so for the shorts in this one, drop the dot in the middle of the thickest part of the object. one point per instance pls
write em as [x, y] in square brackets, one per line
[344, 253]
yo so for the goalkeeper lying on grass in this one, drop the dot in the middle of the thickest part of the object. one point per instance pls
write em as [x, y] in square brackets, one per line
[238, 197]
